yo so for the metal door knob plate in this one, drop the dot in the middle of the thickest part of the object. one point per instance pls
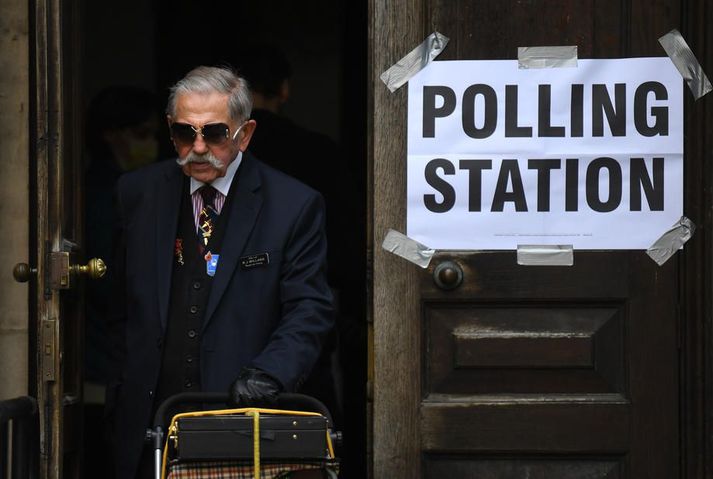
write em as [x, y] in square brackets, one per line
[448, 275]
[63, 274]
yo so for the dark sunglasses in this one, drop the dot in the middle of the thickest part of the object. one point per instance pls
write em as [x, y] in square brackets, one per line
[214, 134]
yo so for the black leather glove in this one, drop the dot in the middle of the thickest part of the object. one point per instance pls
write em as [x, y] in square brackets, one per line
[254, 388]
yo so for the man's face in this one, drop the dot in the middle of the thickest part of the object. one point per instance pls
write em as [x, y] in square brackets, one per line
[198, 110]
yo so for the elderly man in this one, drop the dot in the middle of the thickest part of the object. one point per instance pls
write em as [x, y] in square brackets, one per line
[221, 267]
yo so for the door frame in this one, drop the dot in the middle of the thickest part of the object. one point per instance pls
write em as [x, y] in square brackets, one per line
[394, 310]
[45, 155]
[696, 272]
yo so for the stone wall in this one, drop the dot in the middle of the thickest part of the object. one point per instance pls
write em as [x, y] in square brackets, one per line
[14, 195]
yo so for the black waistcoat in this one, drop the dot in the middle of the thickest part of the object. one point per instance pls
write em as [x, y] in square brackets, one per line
[190, 288]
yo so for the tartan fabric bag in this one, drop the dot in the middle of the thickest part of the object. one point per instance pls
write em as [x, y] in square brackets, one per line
[243, 470]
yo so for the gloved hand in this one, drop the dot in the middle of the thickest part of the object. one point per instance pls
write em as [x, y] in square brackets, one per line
[254, 388]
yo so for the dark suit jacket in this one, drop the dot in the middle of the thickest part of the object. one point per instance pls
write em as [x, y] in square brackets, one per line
[272, 317]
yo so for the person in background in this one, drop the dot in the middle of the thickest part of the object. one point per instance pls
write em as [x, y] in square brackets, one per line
[121, 126]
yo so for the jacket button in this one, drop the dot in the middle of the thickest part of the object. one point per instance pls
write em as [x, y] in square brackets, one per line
[191, 333]
[196, 285]
[151, 393]
[189, 359]
[188, 383]
[193, 309]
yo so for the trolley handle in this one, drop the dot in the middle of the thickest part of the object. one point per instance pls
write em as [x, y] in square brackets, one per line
[294, 401]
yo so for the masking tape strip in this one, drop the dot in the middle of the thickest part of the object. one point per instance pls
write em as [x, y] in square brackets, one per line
[411, 250]
[671, 241]
[547, 57]
[417, 59]
[681, 55]
[545, 255]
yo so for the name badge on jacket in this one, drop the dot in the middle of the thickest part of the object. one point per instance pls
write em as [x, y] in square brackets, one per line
[254, 260]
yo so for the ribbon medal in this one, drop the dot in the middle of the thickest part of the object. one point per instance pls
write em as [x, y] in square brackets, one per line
[178, 251]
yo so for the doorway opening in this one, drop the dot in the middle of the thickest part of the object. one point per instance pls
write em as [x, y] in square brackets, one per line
[144, 47]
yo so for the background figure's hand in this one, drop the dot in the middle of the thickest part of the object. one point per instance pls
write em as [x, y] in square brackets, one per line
[254, 388]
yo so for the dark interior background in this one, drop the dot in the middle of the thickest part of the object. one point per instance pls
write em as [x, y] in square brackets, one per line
[151, 44]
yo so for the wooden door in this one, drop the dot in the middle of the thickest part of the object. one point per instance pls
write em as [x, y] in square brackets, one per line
[551, 372]
[537, 372]
[56, 235]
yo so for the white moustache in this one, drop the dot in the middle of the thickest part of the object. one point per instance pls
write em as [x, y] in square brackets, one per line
[208, 157]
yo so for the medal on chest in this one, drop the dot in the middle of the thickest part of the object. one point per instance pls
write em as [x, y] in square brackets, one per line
[178, 251]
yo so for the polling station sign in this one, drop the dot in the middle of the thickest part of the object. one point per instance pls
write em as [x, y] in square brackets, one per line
[499, 156]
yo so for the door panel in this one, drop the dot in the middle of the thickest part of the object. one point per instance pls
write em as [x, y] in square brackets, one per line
[568, 361]
[546, 468]
[518, 426]
[523, 349]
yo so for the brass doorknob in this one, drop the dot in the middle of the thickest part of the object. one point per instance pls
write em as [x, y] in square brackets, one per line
[94, 269]
[448, 275]
[22, 272]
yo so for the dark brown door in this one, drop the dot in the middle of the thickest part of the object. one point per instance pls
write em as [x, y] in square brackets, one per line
[56, 219]
[551, 372]
[521, 372]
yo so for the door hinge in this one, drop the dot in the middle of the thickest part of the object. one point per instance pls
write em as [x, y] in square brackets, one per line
[49, 348]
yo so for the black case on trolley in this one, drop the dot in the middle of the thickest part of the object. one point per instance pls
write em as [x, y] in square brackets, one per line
[231, 437]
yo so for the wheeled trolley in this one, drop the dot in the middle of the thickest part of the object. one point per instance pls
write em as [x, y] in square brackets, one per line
[294, 440]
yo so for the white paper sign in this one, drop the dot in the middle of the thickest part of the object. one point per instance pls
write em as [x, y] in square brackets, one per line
[500, 156]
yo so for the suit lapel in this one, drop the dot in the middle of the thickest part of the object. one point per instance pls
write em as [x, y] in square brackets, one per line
[168, 202]
[243, 214]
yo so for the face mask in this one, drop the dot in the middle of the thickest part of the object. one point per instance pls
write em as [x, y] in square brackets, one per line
[141, 152]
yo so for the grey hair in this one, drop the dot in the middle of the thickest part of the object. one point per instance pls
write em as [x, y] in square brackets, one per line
[221, 80]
